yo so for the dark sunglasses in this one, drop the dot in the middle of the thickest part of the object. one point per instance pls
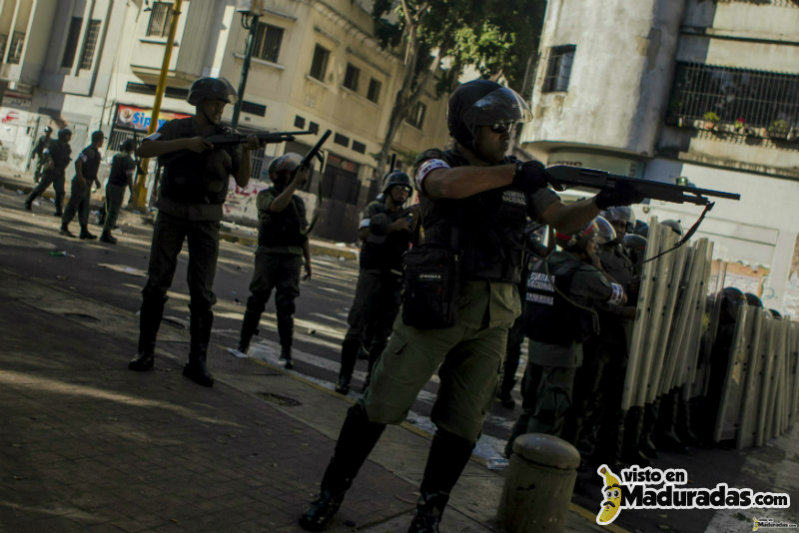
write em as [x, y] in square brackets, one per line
[501, 127]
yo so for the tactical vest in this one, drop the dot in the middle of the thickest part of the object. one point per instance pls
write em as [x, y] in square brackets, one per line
[192, 178]
[384, 252]
[487, 228]
[617, 264]
[548, 316]
[283, 228]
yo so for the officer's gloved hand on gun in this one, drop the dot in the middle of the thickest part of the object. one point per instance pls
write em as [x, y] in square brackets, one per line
[531, 176]
[622, 194]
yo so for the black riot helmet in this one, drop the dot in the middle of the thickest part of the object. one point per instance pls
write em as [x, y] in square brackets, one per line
[641, 228]
[48, 129]
[483, 103]
[731, 299]
[605, 231]
[578, 241]
[63, 133]
[128, 146]
[211, 89]
[753, 300]
[396, 178]
[280, 168]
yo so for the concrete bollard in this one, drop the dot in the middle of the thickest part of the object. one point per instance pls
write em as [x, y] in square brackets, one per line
[539, 483]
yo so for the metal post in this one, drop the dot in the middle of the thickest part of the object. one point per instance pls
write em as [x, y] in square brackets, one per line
[140, 192]
[250, 22]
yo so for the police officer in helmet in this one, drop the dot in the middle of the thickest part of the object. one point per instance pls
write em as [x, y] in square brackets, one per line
[282, 244]
[193, 189]
[475, 203]
[57, 156]
[386, 230]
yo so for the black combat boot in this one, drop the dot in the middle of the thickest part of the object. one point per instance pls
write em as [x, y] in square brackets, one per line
[685, 422]
[631, 453]
[666, 432]
[249, 327]
[647, 445]
[349, 354]
[449, 455]
[357, 438]
[84, 234]
[285, 330]
[152, 309]
[200, 331]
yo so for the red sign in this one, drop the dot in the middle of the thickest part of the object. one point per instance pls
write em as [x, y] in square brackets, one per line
[138, 118]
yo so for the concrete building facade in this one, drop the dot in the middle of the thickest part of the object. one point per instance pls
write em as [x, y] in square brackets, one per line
[697, 91]
[316, 65]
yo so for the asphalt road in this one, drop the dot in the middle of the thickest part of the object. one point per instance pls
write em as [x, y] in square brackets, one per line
[116, 274]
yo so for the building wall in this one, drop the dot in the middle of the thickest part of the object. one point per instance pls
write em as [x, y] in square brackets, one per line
[614, 117]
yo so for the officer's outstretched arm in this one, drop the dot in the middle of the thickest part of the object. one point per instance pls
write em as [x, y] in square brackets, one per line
[572, 217]
[462, 182]
[154, 147]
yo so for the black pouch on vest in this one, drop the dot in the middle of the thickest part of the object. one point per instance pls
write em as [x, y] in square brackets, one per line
[431, 280]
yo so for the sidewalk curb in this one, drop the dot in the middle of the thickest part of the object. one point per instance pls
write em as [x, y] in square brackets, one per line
[318, 247]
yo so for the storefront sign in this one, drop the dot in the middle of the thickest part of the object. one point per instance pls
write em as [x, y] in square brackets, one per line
[138, 118]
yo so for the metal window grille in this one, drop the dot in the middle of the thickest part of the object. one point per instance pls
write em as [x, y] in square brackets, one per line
[359, 147]
[313, 127]
[144, 88]
[299, 122]
[15, 51]
[374, 90]
[559, 68]
[72, 42]
[89, 44]
[778, 3]
[351, 77]
[319, 62]
[253, 108]
[417, 116]
[267, 42]
[752, 98]
[160, 19]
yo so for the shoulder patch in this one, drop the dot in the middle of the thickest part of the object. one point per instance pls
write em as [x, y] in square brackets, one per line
[426, 167]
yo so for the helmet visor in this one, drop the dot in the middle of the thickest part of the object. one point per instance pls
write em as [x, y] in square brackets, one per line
[502, 106]
[604, 231]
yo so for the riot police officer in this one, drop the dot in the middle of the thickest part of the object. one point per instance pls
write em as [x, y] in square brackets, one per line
[86, 166]
[38, 153]
[57, 157]
[386, 229]
[564, 292]
[475, 202]
[282, 243]
[123, 169]
[193, 189]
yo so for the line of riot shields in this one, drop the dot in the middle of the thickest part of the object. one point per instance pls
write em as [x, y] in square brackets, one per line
[706, 365]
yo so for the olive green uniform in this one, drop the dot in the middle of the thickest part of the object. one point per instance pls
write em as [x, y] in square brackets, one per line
[471, 352]
[557, 329]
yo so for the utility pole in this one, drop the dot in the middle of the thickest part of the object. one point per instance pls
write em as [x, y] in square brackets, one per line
[249, 21]
[139, 191]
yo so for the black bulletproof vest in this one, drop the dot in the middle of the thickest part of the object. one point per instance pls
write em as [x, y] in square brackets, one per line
[488, 228]
[384, 252]
[283, 228]
[548, 317]
[192, 178]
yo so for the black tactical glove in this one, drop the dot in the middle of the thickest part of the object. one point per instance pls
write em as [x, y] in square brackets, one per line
[379, 223]
[531, 176]
[622, 194]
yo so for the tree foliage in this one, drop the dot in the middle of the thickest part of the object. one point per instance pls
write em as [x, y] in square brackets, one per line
[441, 37]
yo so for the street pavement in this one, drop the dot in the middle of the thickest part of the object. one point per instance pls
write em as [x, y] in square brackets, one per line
[88, 442]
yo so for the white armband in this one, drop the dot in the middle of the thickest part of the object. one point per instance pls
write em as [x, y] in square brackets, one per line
[154, 137]
[616, 295]
[426, 168]
[365, 223]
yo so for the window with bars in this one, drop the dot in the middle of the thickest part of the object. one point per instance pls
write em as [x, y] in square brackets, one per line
[559, 68]
[160, 19]
[351, 77]
[319, 63]
[72, 42]
[359, 147]
[89, 44]
[15, 52]
[343, 140]
[750, 98]
[374, 90]
[416, 118]
[267, 42]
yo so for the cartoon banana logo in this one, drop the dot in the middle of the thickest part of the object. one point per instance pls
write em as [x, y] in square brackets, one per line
[611, 493]
[755, 524]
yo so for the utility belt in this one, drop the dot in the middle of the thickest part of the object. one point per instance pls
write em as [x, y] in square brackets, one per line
[431, 283]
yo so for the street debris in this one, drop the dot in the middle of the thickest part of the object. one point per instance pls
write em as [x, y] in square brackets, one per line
[497, 463]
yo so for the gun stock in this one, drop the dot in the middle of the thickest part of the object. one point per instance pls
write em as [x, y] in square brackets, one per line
[596, 179]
